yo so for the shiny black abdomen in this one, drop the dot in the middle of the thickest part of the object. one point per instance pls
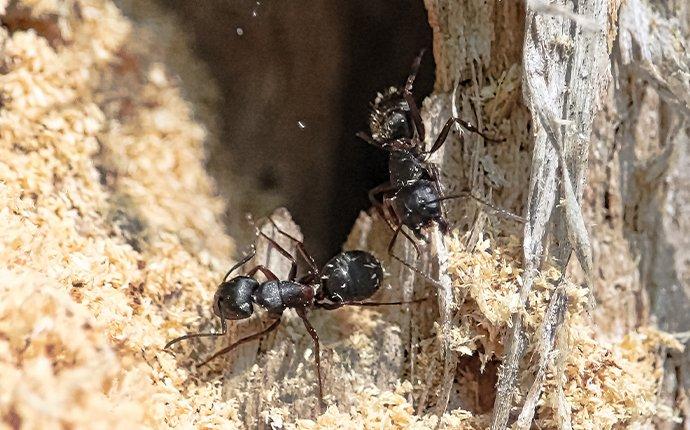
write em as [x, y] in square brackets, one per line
[417, 205]
[351, 276]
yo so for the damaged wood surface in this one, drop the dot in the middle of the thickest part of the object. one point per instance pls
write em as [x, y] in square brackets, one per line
[566, 76]
[566, 69]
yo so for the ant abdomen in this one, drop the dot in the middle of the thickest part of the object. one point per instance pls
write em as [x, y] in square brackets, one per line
[351, 276]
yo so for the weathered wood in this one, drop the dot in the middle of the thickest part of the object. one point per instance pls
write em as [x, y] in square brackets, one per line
[566, 76]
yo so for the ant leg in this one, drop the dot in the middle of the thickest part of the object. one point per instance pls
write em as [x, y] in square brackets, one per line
[300, 246]
[284, 253]
[469, 127]
[240, 342]
[505, 213]
[391, 244]
[441, 138]
[332, 306]
[241, 263]
[379, 189]
[443, 224]
[401, 302]
[407, 94]
[416, 118]
[379, 206]
[405, 263]
[265, 270]
[435, 174]
[317, 353]
[391, 217]
[223, 331]
[412, 240]
[429, 279]
[443, 135]
[280, 249]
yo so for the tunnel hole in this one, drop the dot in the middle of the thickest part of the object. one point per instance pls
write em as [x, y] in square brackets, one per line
[294, 81]
[383, 39]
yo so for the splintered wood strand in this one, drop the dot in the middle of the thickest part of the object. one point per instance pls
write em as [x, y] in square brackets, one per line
[654, 45]
[446, 307]
[563, 92]
[552, 321]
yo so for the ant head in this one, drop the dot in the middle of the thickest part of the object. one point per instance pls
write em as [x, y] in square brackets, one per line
[390, 118]
[233, 299]
[351, 276]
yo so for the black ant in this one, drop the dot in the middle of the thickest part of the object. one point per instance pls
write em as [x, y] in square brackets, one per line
[349, 278]
[412, 197]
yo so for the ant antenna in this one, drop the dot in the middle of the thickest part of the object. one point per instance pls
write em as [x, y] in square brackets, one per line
[498, 210]
[414, 70]
[223, 332]
[223, 324]
[242, 262]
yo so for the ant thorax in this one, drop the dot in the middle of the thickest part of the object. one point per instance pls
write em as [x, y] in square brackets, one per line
[405, 168]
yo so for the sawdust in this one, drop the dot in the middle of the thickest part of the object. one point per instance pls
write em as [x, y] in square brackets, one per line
[107, 257]
[101, 246]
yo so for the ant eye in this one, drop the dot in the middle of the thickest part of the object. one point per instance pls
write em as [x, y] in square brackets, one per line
[399, 126]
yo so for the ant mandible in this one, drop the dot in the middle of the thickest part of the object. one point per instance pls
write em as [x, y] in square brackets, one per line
[349, 278]
[412, 197]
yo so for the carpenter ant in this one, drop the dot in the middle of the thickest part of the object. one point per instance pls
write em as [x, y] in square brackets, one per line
[349, 278]
[412, 197]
